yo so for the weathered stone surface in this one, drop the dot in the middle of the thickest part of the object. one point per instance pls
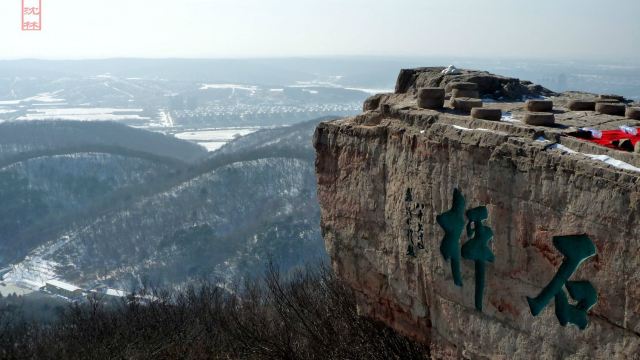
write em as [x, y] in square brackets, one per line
[431, 93]
[607, 101]
[431, 98]
[465, 104]
[461, 86]
[539, 119]
[486, 114]
[612, 97]
[489, 85]
[581, 105]
[632, 113]
[434, 104]
[462, 93]
[372, 103]
[611, 109]
[539, 105]
[533, 191]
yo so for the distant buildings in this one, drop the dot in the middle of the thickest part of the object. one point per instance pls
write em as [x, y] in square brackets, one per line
[239, 114]
[57, 287]
[104, 290]
[75, 293]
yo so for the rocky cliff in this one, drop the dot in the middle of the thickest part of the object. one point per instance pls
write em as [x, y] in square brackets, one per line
[537, 222]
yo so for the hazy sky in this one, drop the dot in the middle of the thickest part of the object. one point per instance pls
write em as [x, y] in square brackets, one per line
[578, 29]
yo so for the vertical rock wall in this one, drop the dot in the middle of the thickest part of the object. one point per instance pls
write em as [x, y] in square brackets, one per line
[533, 192]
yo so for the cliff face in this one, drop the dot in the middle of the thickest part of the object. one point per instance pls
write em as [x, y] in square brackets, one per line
[387, 175]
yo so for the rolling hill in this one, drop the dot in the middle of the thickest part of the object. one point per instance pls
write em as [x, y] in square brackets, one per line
[140, 219]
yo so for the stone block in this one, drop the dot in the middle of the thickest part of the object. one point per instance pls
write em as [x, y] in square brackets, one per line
[611, 109]
[581, 105]
[486, 114]
[461, 86]
[539, 119]
[431, 93]
[462, 93]
[607, 101]
[465, 104]
[431, 98]
[539, 105]
[372, 103]
[612, 97]
[632, 113]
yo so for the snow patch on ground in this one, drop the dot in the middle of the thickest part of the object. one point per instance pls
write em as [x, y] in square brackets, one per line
[613, 162]
[34, 271]
[508, 117]
[478, 129]
[212, 145]
[603, 158]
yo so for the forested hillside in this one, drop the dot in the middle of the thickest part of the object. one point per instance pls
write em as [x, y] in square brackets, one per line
[123, 218]
[55, 137]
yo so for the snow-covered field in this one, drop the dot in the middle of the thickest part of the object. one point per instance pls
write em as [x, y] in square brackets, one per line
[371, 91]
[32, 273]
[331, 83]
[165, 119]
[43, 98]
[229, 86]
[213, 139]
[8, 288]
[84, 114]
[233, 87]
[308, 86]
[212, 145]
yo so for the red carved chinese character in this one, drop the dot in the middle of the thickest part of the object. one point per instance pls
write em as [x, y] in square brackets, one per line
[32, 11]
[31, 15]
[31, 25]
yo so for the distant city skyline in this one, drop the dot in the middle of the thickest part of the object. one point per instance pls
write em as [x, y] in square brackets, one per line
[545, 29]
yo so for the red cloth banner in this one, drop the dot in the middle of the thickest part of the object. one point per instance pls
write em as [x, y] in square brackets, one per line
[611, 138]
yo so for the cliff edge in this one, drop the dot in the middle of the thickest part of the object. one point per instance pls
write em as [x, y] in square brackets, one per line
[486, 239]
